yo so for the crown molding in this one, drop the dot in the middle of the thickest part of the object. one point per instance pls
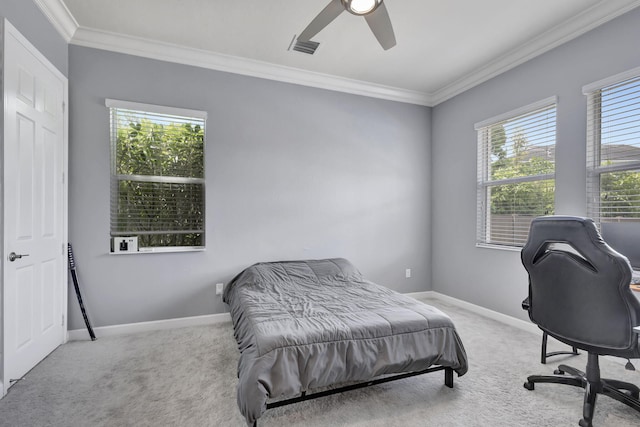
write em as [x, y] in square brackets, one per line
[60, 17]
[163, 51]
[591, 18]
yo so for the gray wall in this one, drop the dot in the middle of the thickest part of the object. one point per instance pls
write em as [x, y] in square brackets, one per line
[29, 20]
[295, 172]
[292, 172]
[495, 278]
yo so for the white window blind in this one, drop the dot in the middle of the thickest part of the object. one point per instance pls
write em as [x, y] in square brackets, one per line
[157, 175]
[613, 151]
[516, 173]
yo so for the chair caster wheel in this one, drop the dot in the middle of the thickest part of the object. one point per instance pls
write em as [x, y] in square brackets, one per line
[529, 385]
[558, 372]
[583, 423]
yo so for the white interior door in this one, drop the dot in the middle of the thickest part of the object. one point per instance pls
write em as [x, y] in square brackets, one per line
[34, 208]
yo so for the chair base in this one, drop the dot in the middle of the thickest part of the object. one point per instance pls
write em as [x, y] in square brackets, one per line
[624, 392]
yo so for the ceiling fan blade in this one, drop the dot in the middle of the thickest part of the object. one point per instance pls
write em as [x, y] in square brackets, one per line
[380, 24]
[324, 18]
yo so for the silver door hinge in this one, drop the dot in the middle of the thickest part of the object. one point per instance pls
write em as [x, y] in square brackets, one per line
[62, 320]
[64, 106]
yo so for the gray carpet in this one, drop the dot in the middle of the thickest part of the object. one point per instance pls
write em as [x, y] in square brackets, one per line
[187, 377]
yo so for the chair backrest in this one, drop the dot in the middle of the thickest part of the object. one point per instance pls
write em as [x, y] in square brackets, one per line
[579, 287]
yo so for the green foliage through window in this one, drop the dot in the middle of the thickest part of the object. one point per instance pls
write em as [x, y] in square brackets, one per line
[515, 175]
[523, 198]
[620, 194]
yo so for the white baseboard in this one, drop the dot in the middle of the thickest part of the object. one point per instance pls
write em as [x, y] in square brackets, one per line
[156, 325]
[503, 318]
[210, 319]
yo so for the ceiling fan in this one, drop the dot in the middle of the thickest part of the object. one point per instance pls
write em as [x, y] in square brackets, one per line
[374, 12]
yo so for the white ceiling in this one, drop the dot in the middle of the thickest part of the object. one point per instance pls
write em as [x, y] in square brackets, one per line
[443, 47]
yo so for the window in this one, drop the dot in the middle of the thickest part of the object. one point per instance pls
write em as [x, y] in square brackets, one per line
[613, 160]
[157, 178]
[516, 173]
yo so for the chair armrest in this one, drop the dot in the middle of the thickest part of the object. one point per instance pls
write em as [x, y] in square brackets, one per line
[526, 305]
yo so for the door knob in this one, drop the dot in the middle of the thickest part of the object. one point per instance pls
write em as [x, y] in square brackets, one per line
[14, 256]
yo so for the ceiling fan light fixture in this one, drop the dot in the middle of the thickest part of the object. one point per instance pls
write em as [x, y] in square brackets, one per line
[361, 7]
[374, 13]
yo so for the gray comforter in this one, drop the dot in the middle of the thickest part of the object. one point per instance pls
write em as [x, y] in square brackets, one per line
[302, 325]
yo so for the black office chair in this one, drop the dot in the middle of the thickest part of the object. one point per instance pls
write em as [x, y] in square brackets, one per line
[579, 294]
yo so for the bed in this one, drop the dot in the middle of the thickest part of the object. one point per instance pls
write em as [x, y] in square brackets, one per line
[307, 325]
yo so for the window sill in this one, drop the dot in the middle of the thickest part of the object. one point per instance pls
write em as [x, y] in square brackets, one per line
[162, 250]
[499, 247]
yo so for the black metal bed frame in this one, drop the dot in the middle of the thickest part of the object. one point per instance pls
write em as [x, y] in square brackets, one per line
[448, 381]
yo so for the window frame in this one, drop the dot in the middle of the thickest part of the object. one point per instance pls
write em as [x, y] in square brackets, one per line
[484, 181]
[593, 92]
[152, 109]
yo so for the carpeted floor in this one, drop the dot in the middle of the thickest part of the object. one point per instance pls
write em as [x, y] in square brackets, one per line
[187, 377]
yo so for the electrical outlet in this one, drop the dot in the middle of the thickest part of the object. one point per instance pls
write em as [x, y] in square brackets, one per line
[407, 273]
[219, 288]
